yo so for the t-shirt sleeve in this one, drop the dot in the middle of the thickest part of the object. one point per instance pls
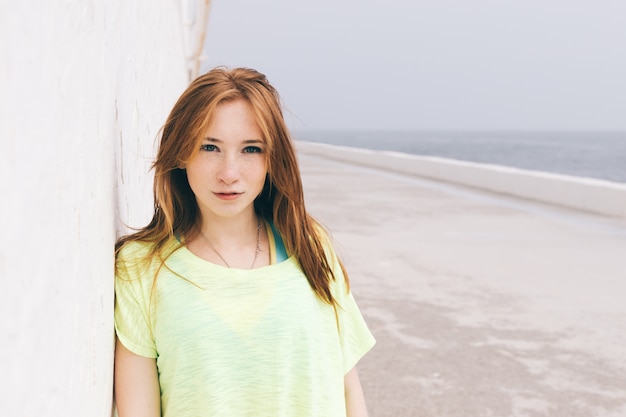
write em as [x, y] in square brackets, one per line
[132, 306]
[355, 337]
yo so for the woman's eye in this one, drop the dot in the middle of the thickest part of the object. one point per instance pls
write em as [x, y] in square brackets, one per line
[252, 149]
[208, 147]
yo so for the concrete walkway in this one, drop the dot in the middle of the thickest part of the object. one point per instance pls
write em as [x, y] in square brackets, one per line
[482, 305]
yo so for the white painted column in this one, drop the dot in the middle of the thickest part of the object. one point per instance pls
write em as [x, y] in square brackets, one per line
[85, 86]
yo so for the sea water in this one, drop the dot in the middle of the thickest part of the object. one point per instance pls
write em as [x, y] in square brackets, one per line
[600, 155]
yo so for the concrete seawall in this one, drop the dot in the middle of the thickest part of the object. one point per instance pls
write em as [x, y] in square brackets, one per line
[591, 195]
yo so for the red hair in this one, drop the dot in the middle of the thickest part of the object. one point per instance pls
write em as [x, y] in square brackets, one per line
[282, 199]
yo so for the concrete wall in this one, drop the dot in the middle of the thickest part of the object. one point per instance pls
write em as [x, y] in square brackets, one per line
[85, 86]
[597, 196]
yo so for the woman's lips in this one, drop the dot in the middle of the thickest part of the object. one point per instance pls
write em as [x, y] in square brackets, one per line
[227, 196]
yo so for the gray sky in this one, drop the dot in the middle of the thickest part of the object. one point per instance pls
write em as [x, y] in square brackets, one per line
[432, 64]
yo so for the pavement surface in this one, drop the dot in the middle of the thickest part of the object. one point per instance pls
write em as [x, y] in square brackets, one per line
[482, 305]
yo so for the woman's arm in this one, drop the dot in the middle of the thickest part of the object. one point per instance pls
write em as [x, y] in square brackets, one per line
[355, 401]
[137, 392]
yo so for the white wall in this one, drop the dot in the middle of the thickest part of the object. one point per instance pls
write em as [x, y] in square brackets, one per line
[85, 85]
[596, 196]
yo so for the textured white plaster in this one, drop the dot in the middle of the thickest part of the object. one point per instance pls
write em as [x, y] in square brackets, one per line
[85, 87]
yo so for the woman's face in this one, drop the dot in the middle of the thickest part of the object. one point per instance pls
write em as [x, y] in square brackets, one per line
[227, 171]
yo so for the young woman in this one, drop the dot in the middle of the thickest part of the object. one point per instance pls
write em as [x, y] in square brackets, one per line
[231, 301]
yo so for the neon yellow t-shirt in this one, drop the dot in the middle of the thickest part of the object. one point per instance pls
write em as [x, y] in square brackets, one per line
[231, 342]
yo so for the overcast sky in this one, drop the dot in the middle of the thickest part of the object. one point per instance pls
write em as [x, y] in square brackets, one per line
[432, 64]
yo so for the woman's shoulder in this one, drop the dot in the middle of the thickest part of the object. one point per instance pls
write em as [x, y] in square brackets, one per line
[326, 239]
[323, 233]
[135, 249]
[138, 255]
[340, 284]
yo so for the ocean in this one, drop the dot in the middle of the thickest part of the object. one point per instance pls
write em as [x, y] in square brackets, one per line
[600, 155]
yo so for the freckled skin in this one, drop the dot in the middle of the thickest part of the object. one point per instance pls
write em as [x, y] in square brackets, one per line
[228, 170]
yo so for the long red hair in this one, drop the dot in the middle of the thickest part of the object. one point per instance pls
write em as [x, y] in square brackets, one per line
[282, 199]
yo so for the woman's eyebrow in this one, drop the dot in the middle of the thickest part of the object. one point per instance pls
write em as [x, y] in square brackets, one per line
[247, 141]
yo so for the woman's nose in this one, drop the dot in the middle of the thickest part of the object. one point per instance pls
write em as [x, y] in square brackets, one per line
[228, 170]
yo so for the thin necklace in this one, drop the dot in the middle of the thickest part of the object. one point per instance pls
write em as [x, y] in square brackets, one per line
[256, 252]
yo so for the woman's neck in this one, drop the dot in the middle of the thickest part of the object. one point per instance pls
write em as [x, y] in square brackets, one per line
[230, 231]
[235, 242]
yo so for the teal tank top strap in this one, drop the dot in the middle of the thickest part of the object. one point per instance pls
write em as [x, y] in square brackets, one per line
[281, 252]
